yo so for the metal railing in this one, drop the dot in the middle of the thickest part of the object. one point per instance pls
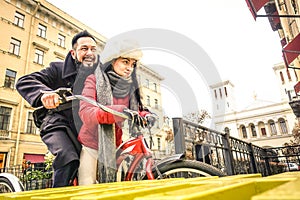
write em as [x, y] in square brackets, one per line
[231, 155]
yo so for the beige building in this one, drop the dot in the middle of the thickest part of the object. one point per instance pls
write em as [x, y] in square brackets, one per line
[263, 123]
[34, 33]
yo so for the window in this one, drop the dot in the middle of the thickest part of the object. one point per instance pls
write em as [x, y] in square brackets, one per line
[39, 56]
[148, 100]
[220, 93]
[158, 144]
[19, 19]
[14, 47]
[263, 132]
[244, 132]
[216, 96]
[31, 128]
[61, 40]
[281, 77]
[147, 83]
[283, 126]
[10, 77]
[253, 130]
[155, 87]
[289, 75]
[226, 130]
[225, 89]
[5, 114]
[156, 103]
[42, 31]
[273, 128]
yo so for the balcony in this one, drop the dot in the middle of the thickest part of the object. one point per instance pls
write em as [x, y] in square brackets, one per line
[4, 134]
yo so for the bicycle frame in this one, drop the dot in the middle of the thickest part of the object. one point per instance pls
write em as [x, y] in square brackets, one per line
[138, 148]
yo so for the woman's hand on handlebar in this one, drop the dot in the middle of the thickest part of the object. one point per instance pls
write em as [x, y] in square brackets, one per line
[50, 100]
[136, 118]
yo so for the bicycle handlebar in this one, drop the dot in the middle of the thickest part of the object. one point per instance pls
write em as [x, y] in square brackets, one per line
[95, 103]
[66, 95]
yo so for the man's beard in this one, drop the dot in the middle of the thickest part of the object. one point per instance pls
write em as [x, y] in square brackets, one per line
[85, 64]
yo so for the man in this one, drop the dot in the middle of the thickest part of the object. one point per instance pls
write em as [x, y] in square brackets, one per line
[58, 129]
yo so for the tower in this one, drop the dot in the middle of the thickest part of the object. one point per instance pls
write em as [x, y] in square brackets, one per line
[223, 98]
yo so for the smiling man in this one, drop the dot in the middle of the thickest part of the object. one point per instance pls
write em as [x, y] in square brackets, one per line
[57, 128]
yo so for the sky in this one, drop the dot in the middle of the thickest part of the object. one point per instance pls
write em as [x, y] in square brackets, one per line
[232, 45]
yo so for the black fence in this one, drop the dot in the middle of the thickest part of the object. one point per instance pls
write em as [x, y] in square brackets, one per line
[231, 155]
[33, 178]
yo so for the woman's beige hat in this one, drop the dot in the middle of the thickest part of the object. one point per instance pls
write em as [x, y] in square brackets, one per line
[123, 48]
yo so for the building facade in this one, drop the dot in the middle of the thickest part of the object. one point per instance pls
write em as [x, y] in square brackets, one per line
[263, 123]
[35, 33]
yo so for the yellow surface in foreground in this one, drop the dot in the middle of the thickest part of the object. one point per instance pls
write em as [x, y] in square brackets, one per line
[251, 186]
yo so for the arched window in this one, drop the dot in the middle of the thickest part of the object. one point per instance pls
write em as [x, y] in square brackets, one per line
[272, 127]
[253, 130]
[226, 130]
[244, 132]
[262, 129]
[283, 126]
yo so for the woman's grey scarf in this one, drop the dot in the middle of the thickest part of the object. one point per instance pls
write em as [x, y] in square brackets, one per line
[120, 86]
[106, 132]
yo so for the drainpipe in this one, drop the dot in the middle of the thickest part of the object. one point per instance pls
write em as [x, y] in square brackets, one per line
[25, 72]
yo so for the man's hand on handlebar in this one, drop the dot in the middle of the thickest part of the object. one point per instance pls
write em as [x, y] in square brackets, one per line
[50, 100]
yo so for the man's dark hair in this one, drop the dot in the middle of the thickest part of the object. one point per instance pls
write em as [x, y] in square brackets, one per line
[84, 33]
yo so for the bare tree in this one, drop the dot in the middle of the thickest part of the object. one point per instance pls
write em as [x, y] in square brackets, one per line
[197, 117]
[296, 135]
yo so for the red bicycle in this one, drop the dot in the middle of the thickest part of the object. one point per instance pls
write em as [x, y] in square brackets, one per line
[134, 158]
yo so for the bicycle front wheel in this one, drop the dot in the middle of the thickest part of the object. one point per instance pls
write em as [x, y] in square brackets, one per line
[187, 169]
[10, 183]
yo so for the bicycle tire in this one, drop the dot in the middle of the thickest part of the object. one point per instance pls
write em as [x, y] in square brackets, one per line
[10, 183]
[6, 186]
[187, 169]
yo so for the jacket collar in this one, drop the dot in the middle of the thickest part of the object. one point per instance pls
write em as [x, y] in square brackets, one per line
[69, 68]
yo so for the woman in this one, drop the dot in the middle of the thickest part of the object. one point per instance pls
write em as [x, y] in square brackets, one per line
[115, 85]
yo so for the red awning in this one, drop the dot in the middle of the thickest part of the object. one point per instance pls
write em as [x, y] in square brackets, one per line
[292, 50]
[255, 5]
[34, 158]
[297, 87]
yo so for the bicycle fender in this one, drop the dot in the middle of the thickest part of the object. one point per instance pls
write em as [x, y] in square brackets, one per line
[169, 159]
[16, 183]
